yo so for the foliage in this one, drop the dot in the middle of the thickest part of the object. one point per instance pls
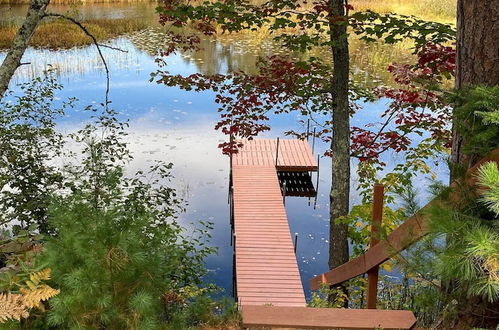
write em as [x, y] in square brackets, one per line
[118, 247]
[477, 114]
[117, 255]
[12, 307]
[23, 285]
[322, 297]
[29, 145]
[488, 176]
[415, 123]
[393, 28]
[359, 220]
[422, 116]
[462, 249]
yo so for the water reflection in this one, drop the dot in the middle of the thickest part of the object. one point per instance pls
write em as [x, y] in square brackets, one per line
[177, 126]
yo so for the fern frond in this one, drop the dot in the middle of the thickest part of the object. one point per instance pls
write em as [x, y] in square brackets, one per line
[32, 298]
[12, 307]
[43, 275]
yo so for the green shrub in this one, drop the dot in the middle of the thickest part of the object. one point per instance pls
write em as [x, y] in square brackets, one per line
[29, 144]
[118, 257]
[118, 248]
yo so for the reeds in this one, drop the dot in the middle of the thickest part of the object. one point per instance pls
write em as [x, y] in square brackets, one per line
[61, 34]
[443, 11]
[69, 2]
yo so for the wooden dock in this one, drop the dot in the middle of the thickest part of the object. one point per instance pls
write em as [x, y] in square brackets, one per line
[265, 263]
[268, 286]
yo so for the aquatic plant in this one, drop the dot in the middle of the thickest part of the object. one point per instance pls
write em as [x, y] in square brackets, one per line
[57, 34]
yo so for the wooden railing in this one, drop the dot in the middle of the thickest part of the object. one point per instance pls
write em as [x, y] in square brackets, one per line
[411, 231]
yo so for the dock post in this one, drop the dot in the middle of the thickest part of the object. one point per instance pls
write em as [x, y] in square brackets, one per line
[230, 169]
[234, 281]
[372, 275]
[231, 208]
[277, 152]
[284, 193]
[308, 127]
[317, 184]
[296, 241]
[313, 142]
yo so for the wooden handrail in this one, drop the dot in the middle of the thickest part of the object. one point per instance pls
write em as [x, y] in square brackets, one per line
[325, 318]
[411, 231]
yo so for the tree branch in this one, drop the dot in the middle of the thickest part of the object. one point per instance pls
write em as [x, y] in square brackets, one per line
[97, 45]
[21, 41]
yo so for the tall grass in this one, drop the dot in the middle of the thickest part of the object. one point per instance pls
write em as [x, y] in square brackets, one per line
[433, 10]
[59, 34]
[69, 2]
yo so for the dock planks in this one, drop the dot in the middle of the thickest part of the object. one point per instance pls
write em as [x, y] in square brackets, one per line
[268, 283]
[265, 263]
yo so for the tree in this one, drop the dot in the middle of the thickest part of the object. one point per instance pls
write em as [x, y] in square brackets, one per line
[317, 87]
[477, 58]
[340, 142]
[36, 12]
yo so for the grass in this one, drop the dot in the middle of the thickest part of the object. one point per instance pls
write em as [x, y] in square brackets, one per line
[443, 11]
[61, 34]
[69, 2]
[436, 10]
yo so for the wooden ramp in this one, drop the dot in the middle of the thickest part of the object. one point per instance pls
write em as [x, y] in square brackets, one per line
[411, 231]
[265, 264]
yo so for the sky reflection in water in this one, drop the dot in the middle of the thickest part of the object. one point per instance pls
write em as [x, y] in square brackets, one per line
[177, 126]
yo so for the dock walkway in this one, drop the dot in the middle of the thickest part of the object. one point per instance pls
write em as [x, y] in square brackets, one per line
[265, 265]
[268, 287]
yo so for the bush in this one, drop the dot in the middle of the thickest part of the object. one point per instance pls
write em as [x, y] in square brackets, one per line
[114, 263]
[118, 247]
[29, 144]
[115, 256]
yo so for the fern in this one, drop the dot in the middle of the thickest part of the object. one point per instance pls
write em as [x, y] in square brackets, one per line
[36, 278]
[12, 307]
[33, 297]
[15, 306]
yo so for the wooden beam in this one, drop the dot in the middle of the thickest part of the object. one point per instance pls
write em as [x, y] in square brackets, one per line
[377, 217]
[411, 231]
[325, 318]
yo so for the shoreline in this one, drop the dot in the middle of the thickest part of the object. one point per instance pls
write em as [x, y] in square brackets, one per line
[61, 34]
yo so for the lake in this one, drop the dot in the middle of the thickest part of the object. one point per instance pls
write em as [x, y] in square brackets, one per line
[177, 126]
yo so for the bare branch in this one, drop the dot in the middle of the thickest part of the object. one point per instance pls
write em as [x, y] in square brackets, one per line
[97, 45]
[113, 48]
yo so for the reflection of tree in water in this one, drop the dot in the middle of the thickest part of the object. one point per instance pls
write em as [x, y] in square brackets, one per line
[225, 53]
[240, 52]
[230, 52]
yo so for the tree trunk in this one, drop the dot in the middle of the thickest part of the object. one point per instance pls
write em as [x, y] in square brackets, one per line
[477, 56]
[477, 64]
[340, 175]
[10, 64]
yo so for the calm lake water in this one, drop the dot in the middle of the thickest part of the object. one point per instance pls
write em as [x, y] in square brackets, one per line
[177, 126]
